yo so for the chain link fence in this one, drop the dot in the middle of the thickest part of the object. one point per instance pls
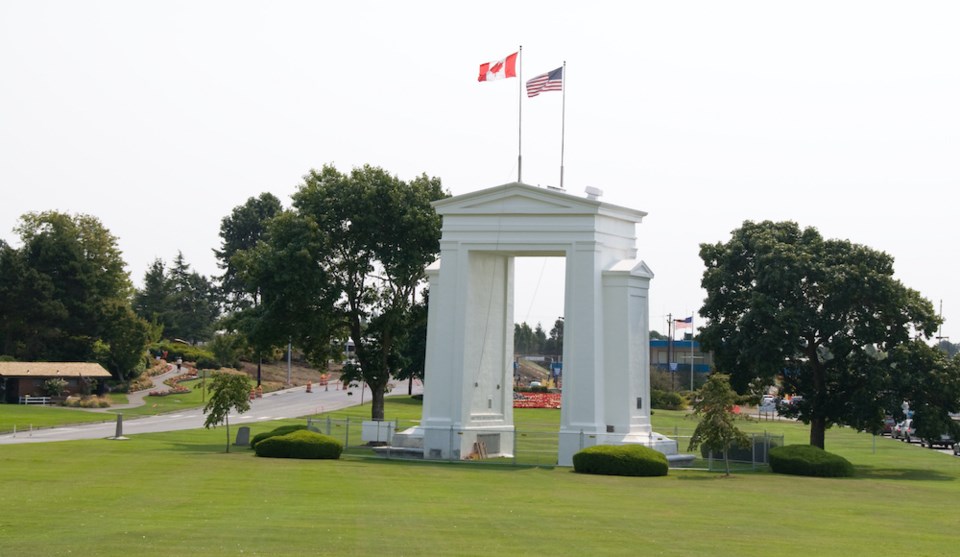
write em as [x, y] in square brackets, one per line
[519, 447]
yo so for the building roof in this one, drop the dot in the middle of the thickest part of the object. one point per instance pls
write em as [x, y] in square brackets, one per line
[52, 369]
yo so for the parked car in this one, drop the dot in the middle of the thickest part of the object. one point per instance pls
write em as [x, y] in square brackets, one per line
[888, 424]
[944, 440]
[905, 430]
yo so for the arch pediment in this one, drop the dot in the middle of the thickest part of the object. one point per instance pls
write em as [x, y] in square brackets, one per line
[523, 199]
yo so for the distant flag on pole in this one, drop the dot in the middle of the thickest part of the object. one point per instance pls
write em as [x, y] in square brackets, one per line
[550, 81]
[683, 323]
[501, 69]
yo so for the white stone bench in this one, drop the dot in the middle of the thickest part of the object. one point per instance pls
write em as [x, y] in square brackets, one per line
[35, 400]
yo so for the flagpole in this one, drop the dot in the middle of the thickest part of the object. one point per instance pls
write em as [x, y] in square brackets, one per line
[520, 115]
[670, 348]
[692, 329]
[563, 120]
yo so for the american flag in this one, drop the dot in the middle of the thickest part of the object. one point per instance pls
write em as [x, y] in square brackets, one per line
[550, 81]
[683, 323]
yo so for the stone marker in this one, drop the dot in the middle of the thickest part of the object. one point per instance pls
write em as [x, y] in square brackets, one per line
[243, 436]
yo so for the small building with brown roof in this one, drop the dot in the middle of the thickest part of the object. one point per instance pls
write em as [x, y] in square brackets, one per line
[20, 379]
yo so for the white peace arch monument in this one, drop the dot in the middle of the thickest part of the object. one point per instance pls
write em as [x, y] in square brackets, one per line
[468, 390]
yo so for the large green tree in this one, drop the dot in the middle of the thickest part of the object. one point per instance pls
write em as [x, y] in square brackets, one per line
[153, 301]
[785, 302]
[184, 302]
[294, 291]
[194, 303]
[381, 234]
[240, 231]
[65, 292]
[344, 262]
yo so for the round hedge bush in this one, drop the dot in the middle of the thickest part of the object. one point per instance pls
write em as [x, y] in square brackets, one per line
[621, 460]
[300, 444]
[807, 460]
[282, 430]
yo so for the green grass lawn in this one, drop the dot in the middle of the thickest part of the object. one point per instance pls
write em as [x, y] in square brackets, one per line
[179, 493]
[22, 417]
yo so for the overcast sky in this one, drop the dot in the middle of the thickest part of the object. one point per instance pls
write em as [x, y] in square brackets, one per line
[160, 117]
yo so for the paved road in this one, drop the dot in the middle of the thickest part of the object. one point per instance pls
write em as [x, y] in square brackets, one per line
[289, 403]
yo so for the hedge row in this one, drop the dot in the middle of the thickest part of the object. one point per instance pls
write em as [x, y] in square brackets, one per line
[807, 460]
[203, 358]
[621, 460]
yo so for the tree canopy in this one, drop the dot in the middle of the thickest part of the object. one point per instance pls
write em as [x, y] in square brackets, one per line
[65, 295]
[240, 231]
[184, 302]
[783, 302]
[344, 262]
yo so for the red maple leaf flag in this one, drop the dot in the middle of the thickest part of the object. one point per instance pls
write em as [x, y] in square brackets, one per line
[501, 69]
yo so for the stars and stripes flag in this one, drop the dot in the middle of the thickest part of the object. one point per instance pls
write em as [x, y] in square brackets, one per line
[550, 81]
[683, 323]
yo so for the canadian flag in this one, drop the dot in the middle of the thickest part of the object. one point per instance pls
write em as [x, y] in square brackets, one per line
[501, 69]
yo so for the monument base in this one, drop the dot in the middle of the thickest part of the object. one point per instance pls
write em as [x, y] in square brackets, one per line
[572, 442]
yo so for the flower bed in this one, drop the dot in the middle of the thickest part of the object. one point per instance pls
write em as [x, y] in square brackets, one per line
[175, 388]
[536, 400]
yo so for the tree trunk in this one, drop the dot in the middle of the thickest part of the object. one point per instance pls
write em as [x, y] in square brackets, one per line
[818, 430]
[376, 401]
[818, 424]
[227, 419]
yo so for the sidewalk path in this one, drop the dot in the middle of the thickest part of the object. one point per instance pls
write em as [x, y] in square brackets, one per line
[288, 403]
[137, 398]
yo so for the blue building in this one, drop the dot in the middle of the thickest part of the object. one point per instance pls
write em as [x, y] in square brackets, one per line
[683, 353]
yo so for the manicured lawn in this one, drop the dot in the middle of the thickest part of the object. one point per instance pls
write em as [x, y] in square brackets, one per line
[22, 417]
[179, 493]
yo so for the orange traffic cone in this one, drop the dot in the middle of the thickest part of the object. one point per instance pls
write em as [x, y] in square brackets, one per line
[309, 389]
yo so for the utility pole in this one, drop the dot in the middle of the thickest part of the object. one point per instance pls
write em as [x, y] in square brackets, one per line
[940, 338]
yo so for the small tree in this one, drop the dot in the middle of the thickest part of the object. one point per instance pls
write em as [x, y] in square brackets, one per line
[716, 430]
[228, 391]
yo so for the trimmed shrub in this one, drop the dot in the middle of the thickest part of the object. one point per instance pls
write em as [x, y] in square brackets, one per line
[282, 430]
[300, 444]
[621, 460]
[666, 400]
[176, 350]
[807, 460]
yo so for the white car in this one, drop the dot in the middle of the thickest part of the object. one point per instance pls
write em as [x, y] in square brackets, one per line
[906, 431]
